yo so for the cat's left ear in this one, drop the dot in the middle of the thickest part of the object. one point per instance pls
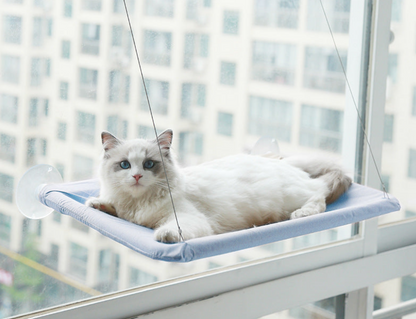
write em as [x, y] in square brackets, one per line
[165, 139]
[109, 141]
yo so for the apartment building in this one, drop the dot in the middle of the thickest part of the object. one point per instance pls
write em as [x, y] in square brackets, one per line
[221, 74]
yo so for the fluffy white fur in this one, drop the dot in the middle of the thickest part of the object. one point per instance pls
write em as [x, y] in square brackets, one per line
[223, 195]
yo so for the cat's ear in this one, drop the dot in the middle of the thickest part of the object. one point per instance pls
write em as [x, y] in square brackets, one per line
[165, 139]
[109, 141]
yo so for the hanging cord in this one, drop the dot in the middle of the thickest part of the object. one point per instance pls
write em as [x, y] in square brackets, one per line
[353, 99]
[153, 121]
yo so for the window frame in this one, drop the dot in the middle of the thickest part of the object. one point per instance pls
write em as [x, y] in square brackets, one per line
[351, 266]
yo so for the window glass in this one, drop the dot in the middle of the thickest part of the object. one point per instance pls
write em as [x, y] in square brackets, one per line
[228, 73]
[12, 29]
[399, 149]
[276, 13]
[66, 49]
[221, 75]
[160, 8]
[231, 21]
[90, 38]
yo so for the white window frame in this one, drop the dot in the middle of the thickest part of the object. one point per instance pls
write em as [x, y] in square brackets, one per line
[260, 287]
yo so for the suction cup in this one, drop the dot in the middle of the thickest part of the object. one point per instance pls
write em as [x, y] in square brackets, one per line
[266, 145]
[29, 187]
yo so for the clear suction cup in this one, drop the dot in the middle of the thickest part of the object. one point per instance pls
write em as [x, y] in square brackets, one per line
[31, 183]
[266, 145]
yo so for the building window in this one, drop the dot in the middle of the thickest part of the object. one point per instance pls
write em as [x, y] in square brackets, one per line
[88, 83]
[10, 69]
[386, 182]
[408, 288]
[146, 132]
[9, 108]
[196, 51]
[190, 143]
[321, 128]
[270, 117]
[5, 229]
[85, 127]
[6, 187]
[157, 47]
[61, 131]
[276, 13]
[40, 69]
[396, 10]
[83, 168]
[121, 45]
[160, 8]
[227, 73]
[53, 260]
[118, 6]
[274, 62]
[79, 226]
[12, 29]
[412, 163]
[139, 277]
[91, 5]
[393, 66]
[7, 148]
[90, 43]
[78, 261]
[195, 10]
[193, 101]
[61, 169]
[158, 92]
[117, 126]
[31, 152]
[42, 29]
[409, 214]
[388, 128]
[63, 90]
[66, 49]
[119, 87]
[337, 12]
[68, 8]
[57, 217]
[323, 70]
[230, 22]
[37, 108]
[108, 270]
[225, 124]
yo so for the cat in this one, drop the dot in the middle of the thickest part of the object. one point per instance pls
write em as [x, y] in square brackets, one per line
[223, 195]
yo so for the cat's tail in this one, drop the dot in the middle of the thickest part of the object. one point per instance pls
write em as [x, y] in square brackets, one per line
[325, 169]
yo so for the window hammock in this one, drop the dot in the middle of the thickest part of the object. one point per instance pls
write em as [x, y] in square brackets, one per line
[357, 204]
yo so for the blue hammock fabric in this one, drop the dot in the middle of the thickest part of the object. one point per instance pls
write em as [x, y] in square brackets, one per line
[357, 204]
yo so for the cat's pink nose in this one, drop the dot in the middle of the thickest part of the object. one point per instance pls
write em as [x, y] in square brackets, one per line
[137, 177]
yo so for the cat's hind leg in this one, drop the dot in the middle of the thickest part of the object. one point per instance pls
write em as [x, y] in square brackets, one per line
[315, 205]
[100, 204]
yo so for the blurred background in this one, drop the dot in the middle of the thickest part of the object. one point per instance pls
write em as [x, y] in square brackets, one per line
[221, 74]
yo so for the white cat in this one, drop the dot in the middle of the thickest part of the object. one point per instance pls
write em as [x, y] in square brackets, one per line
[223, 195]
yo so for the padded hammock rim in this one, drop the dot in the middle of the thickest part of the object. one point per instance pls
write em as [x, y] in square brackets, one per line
[357, 204]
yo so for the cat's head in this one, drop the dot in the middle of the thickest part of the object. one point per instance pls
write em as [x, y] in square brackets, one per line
[135, 166]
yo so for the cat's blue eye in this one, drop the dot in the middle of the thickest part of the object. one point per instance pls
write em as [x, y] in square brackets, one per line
[148, 164]
[125, 165]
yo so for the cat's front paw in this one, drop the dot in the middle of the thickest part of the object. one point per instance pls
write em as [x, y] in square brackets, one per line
[299, 213]
[101, 205]
[167, 235]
